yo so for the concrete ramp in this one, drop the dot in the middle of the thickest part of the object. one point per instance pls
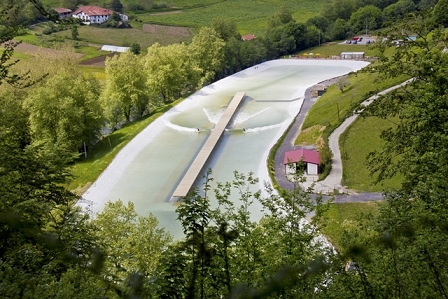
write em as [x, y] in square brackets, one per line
[195, 168]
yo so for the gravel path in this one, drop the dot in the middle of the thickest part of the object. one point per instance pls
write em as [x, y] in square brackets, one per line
[333, 180]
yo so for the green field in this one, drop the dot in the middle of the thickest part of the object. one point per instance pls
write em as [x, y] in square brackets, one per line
[361, 138]
[122, 37]
[250, 16]
[335, 49]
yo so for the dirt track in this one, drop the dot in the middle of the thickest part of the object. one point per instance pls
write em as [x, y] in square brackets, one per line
[32, 49]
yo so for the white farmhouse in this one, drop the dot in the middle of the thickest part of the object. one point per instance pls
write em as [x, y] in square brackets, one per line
[95, 14]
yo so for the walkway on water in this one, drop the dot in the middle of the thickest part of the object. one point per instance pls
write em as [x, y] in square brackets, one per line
[195, 168]
[334, 179]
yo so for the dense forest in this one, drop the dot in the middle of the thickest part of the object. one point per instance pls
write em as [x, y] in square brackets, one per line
[49, 248]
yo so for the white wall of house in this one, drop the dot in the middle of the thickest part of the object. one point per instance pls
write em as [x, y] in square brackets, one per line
[91, 19]
[124, 17]
[312, 168]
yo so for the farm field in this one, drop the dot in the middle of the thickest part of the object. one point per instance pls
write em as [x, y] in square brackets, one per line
[250, 16]
[127, 36]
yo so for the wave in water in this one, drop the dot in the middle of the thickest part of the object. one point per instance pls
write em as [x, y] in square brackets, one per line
[244, 116]
[214, 116]
[180, 128]
[260, 129]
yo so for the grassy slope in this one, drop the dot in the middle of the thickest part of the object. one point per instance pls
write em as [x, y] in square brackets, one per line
[361, 138]
[340, 215]
[250, 16]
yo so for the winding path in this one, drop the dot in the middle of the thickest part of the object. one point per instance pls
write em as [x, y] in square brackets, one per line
[334, 180]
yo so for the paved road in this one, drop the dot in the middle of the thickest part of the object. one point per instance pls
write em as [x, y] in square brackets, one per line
[334, 179]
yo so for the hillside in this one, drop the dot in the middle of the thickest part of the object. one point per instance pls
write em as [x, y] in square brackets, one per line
[250, 16]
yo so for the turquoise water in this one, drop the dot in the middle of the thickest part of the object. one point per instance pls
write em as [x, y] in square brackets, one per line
[165, 150]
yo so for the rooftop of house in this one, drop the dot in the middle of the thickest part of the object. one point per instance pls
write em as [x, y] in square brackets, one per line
[62, 10]
[305, 155]
[93, 11]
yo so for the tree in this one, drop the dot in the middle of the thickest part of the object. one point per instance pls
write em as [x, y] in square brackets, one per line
[75, 32]
[135, 48]
[132, 244]
[284, 16]
[42, 234]
[116, 5]
[340, 9]
[7, 34]
[65, 112]
[207, 52]
[367, 16]
[170, 71]
[278, 42]
[339, 29]
[343, 83]
[441, 12]
[225, 29]
[125, 94]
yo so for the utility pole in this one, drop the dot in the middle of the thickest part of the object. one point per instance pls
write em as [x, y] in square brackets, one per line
[319, 37]
[366, 26]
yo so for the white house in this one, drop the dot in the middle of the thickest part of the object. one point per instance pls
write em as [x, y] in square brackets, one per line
[95, 14]
[293, 160]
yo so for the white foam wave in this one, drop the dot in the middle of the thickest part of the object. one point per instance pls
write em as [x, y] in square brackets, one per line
[213, 116]
[260, 129]
[179, 128]
[244, 116]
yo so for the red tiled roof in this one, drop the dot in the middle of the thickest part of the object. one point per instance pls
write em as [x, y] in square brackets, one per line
[305, 155]
[248, 37]
[62, 10]
[93, 11]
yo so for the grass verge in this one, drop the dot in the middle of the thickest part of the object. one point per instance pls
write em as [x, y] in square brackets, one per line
[86, 171]
[356, 143]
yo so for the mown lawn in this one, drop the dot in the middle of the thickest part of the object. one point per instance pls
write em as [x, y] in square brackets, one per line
[86, 171]
[342, 215]
[361, 138]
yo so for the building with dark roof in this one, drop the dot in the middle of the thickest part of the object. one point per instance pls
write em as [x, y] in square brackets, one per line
[63, 13]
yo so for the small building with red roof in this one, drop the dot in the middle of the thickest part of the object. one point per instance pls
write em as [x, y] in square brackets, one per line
[309, 159]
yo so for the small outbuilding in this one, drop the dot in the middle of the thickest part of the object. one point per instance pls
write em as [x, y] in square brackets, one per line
[110, 48]
[352, 55]
[308, 159]
[63, 13]
[318, 90]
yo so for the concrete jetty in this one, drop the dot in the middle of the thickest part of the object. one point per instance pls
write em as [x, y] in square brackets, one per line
[195, 168]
